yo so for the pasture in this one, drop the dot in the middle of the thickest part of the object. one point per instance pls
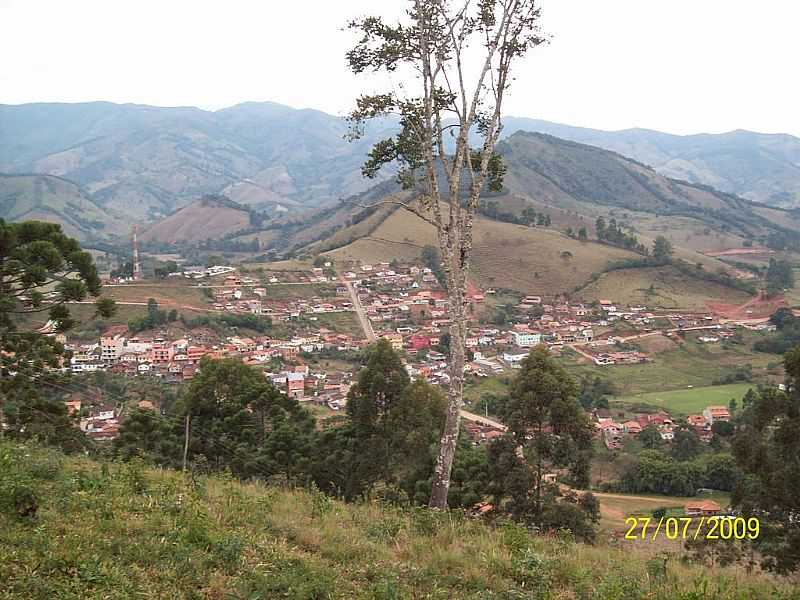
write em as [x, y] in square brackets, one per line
[690, 400]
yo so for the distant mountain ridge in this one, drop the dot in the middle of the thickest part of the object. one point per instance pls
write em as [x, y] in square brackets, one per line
[145, 162]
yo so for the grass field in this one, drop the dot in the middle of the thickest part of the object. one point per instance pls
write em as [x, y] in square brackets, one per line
[689, 401]
[474, 388]
[340, 322]
[686, 364]
[167, 294]
[280, 265]
[659, 287]
[685, 232]
[298, 291]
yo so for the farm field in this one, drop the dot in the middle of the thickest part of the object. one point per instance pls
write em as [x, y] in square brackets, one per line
[298, 291]
[685, 232]
[278, 265]
[659, 287]
[688, 401]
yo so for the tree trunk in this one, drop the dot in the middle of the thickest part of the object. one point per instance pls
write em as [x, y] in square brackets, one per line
[447, 445]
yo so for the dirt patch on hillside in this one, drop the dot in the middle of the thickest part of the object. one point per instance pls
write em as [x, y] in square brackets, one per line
[756, 308]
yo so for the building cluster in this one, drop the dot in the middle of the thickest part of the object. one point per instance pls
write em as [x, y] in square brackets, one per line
[406, 305]
[614, 432]
[176, 361]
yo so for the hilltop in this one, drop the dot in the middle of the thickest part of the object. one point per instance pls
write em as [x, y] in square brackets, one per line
[591, 181]
[120, 529]
[49, 198]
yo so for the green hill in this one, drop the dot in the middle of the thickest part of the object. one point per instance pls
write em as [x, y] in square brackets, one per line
[758, 166]
[110, 530]
[48, 198]
[593, 181]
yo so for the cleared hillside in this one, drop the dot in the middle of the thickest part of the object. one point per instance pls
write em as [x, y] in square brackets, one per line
[207, 218]
[56, 200]
[530, 260]
[663, 287]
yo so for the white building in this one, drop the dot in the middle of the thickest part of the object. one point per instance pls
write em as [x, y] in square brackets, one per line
[526, 340]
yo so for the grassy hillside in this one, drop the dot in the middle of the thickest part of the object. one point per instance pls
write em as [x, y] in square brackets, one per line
[207, 218]
[662, 287]
[674, 367]
[533, 261]
[505, 255]
[588, 179]
[48, 198]
[759, 166]
[122, 531]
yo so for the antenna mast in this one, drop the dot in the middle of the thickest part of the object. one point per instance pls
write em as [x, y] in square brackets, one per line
[137, 267]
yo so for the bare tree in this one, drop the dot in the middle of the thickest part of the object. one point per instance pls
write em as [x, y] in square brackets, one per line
[452, 61]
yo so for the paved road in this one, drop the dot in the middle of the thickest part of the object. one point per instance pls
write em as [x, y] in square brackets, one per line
[366, 326]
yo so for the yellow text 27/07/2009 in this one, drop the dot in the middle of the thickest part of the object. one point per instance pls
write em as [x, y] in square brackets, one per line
[710, 528]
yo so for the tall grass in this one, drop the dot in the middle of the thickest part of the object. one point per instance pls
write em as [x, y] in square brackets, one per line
[107, 530]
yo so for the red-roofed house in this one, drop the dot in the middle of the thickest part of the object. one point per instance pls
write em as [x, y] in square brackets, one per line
[701, 508]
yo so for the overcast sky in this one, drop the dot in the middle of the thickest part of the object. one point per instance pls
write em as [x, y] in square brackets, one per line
[682, 66]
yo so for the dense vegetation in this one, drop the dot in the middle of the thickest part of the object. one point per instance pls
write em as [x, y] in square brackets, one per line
[615, 234]
[154, 318]
[786, 336]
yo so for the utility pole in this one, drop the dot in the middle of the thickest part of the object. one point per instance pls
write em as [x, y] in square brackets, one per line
[186, 441]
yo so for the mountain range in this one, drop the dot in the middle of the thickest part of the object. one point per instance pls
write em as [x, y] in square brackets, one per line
[135, 163]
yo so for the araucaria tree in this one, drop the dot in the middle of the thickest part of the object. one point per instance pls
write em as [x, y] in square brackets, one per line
[453, 64]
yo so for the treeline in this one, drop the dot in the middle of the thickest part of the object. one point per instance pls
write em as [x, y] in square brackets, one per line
[612, 233]
[228, 245]
[385, 445]
[528, 216]
[656, 472]
[257, 323]
[430, 258]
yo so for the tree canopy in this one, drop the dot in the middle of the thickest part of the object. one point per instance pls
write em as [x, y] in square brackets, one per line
[42, 270]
